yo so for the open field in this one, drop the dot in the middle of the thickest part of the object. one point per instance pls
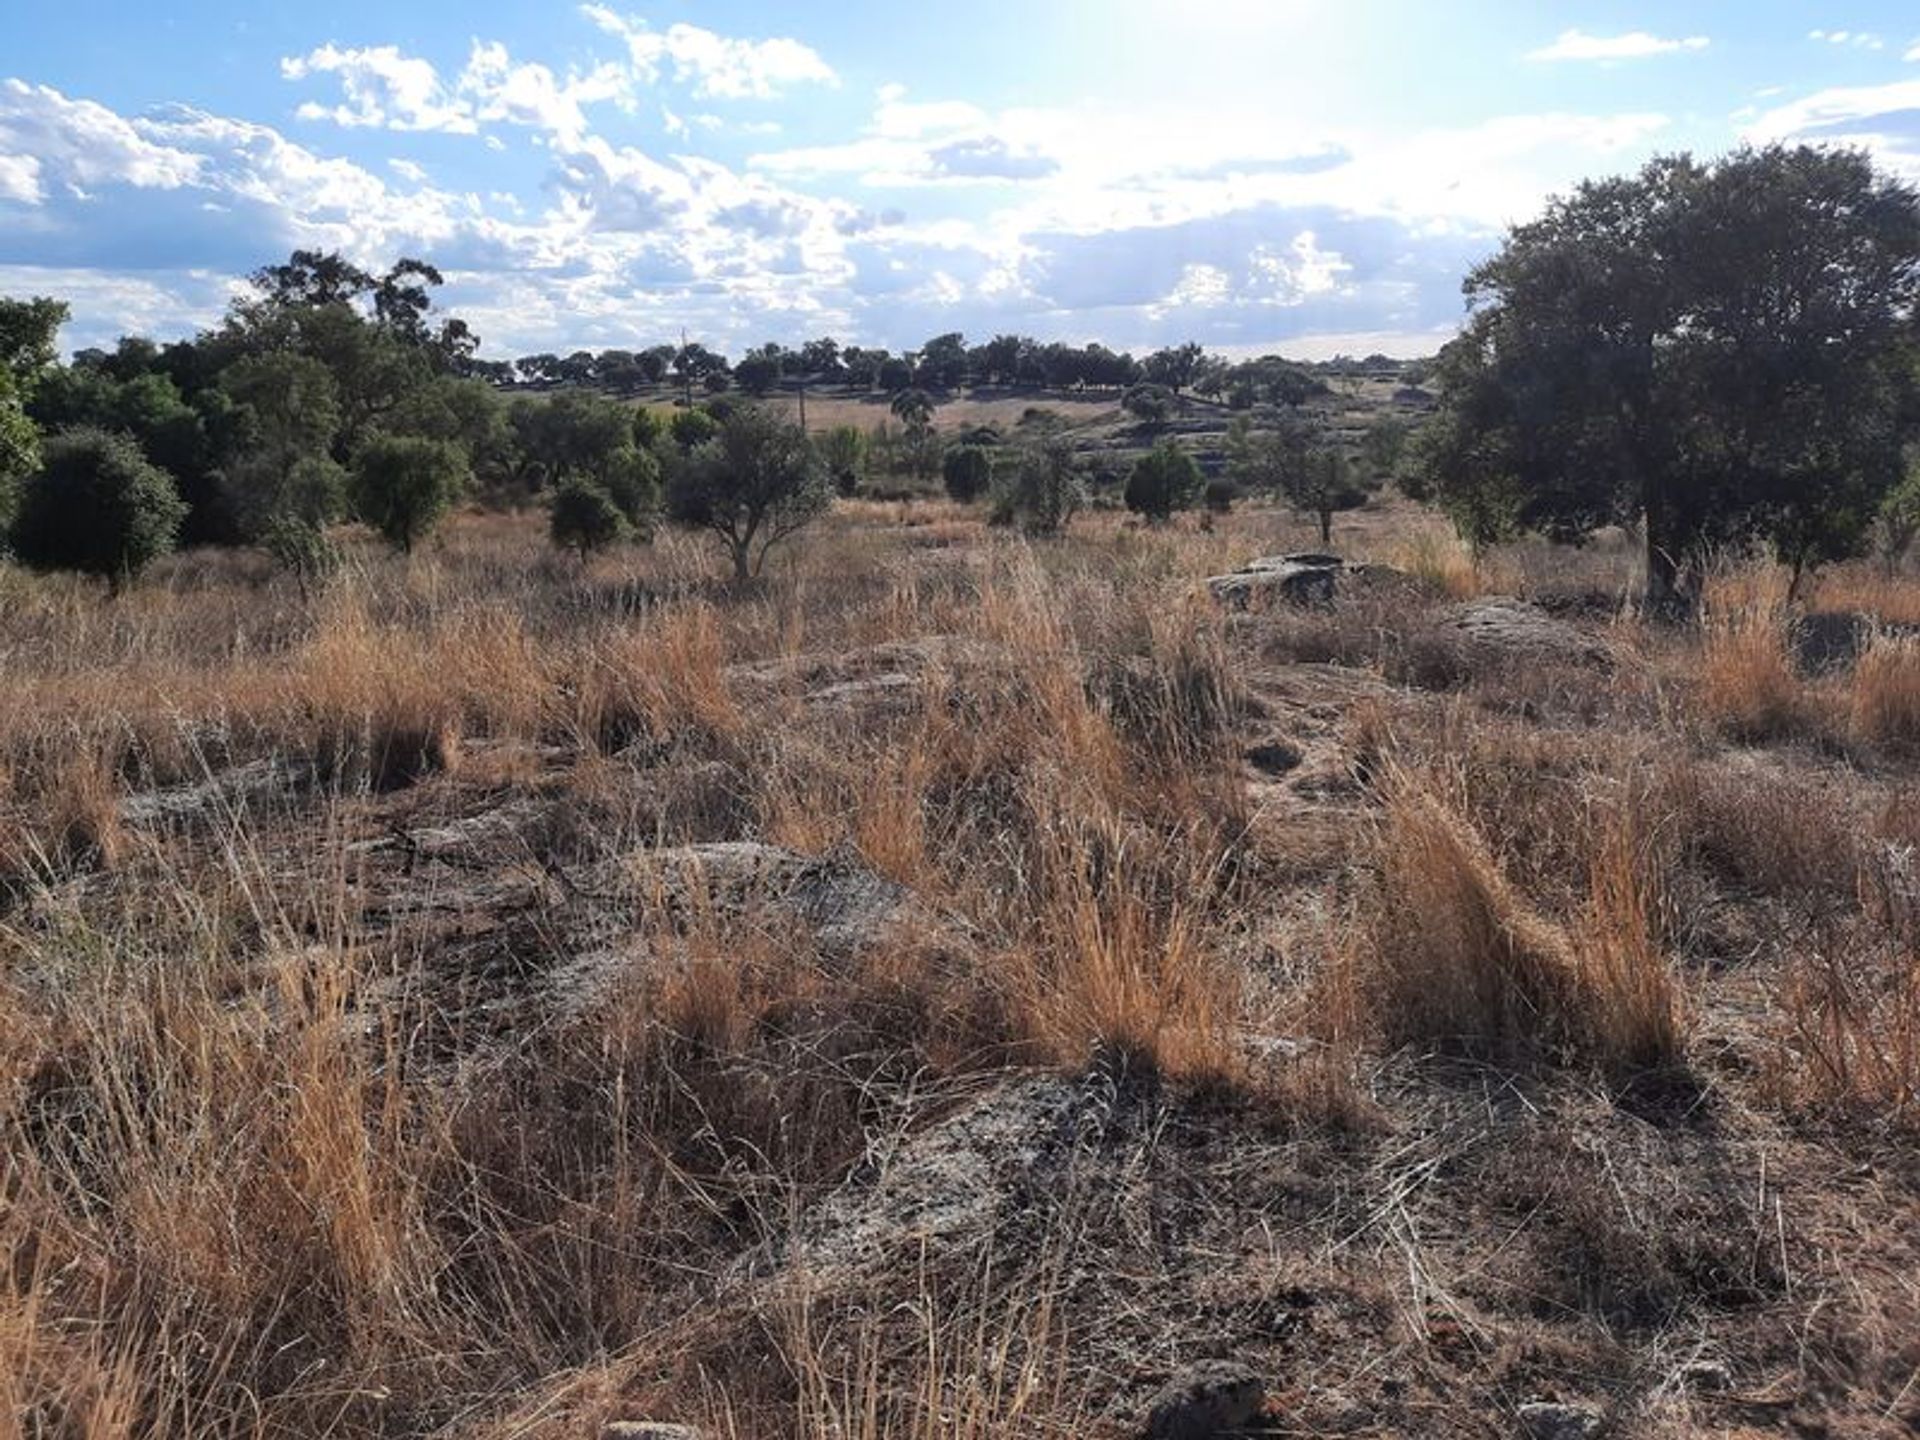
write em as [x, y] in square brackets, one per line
[955, 987]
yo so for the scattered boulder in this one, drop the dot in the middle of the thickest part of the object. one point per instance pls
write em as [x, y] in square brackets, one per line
[1306, 579]
[1707, 1377]
[1206, 1402]
[1552, 1420]
[845, 905]
[1501, 629]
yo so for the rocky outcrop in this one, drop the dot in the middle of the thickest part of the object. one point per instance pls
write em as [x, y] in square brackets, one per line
[1501, 629]
[1207, 1402]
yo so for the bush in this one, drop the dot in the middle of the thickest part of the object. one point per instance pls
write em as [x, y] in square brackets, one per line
[753, 485]
[1163, 480]
[1219, 495]
[1151, 405]
[404, 485]
[96, 506]
[967, 472]
[843, 450]
[582, 518]
[692, 428]
[631, 480]
[1043, 492]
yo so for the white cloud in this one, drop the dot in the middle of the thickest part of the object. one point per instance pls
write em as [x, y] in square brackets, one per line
[1876, 117]
[381, 89]
[533, 96]
[43, 133]
[1857, 39]
[408, 170]
[718, 67]
[20, 179]
[1634, 45]
[1914, 53]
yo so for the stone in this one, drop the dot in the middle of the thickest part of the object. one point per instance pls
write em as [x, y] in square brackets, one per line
[1306, 579]
[1552, 1420]
[1503, 629]
[648, 1430]
[1207, 1401]
[1274, 758]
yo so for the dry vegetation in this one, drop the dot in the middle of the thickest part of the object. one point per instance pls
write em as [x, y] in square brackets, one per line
[948, 989]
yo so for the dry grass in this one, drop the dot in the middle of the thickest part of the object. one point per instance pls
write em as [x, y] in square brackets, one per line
[1747, 688]
[1883, 694]
[302, 1139]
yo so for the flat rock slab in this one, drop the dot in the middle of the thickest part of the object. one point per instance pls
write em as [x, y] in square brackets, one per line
[1501, 628]
[1304, 578]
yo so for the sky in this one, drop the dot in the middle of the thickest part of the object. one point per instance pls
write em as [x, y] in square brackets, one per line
[1307, 177]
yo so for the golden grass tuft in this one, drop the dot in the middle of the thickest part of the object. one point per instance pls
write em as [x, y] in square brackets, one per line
[1636, 1016]
[1747, 687]
[1883, 693]
[1458, 959]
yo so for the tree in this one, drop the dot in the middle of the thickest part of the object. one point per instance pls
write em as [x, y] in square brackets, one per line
[631, 479]
[1713, 352]
[290, 415]
[691, 429]
[29, 332]
[571, 434]
[967, 473]
[1323, 486]
[893, 373]
[1151, 405]
[757, 483]
[912, 406]
[1175, 368]
[19, 446]
[96, 506]
[404, 485]
[1163, 480]
[757, 374]
[1382, 447]
[581, 517]
[843, 450]
[1042, 491]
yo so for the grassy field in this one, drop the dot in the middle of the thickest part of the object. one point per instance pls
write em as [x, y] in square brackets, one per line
[955, 986]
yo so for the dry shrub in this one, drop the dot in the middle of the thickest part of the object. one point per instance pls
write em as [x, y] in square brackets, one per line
[1766, 831]
[1883, 696]
[1850, 1011]
[1438, 559]
[661, 683]
[1457, 957]
[1748, 689]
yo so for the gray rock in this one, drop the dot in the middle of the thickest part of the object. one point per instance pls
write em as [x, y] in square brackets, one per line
[1551, 1420]
[1207, 1401]
[1504, 629]
[649, 1430]
[1307, 579]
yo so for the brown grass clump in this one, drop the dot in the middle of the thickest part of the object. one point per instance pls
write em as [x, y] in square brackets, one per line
[1850, 1031]
[1458, 959]
[1747, 688]
[1883, 695]
[1636, 1012]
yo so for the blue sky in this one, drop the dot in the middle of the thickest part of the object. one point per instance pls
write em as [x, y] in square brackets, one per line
[1291, 175]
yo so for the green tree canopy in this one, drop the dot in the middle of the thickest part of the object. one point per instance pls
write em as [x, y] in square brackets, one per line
[1713, 351]
[404, 485]
[96, 506]
[757, 483]
[581, 518]
[967, 472]
[1162, 481]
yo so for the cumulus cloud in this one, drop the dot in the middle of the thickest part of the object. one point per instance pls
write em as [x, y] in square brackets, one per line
[380, 88]
[717, 67]
[1884, 119]
[46, 136]
[1857, 39]
[1633, 45]
[988, 157]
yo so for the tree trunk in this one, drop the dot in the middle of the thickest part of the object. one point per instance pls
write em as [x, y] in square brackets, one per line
[742, 561]
[1663, 576]
[1326, 529]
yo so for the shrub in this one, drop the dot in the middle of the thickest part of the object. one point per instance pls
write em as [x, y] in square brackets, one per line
[1748, 689]
[631, 480]
[1219, 495]
[1162, 481]
[96, 506]
[692, 428]
[403, 486]
[756, 483]
[1884, 695]
[1043, 491]
[843, 450]
[1151, 405]
[582, 518]
[967, 473]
